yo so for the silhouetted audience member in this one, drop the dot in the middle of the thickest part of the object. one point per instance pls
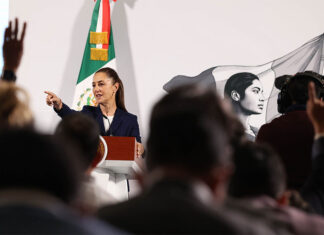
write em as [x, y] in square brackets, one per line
[188, 169]
[14, 109]
[291, 135]
[259, 182]
[313, 190]
[258, 171]
[82, 132]
[38, 180]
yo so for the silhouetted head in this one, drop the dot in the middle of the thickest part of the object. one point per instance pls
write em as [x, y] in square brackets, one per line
[82, 132]
[190, 130]
[37, 162]
[281, 80]
[297, 87]
[258, 171]
[294, 90]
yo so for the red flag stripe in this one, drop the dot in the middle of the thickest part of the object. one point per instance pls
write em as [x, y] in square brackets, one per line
[106, 20]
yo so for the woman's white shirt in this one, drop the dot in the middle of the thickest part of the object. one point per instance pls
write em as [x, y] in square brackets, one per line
[107, 122]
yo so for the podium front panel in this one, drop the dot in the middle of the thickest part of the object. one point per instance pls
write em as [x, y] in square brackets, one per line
[120, 148]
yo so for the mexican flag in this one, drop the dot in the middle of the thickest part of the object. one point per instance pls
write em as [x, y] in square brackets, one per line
[99, 52]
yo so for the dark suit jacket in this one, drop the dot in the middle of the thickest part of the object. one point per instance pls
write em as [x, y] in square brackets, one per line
[123, 124]
[172, 207]
[313, 190]
[291, 136]
[26, 219]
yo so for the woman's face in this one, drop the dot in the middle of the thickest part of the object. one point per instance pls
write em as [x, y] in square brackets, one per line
[254, 99]
[103, 88]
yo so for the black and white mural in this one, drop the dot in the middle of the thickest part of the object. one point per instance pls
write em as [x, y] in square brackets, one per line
[251, 89]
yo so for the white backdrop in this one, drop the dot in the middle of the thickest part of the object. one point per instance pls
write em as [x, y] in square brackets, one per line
[156, 40]
[4, 15]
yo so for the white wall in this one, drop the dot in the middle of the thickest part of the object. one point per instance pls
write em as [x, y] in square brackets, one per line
[156, 40]
[4, 15]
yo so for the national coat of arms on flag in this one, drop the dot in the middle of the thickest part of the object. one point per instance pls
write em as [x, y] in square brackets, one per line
[99, 52]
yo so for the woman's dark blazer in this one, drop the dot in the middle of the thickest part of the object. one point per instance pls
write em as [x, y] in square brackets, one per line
[123, 124]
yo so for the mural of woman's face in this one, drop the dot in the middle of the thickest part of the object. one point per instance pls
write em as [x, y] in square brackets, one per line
[253, 100]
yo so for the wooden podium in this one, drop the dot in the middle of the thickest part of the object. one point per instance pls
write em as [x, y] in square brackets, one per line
[118, 155]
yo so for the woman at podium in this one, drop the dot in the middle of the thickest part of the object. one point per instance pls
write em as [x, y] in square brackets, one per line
[110, 112]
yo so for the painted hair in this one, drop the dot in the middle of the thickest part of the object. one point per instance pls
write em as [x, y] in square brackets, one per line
[112, 74]
[239, 82]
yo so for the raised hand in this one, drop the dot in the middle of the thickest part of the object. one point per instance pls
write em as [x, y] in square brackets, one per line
[53, 100]
[13, 47]
[315, 110]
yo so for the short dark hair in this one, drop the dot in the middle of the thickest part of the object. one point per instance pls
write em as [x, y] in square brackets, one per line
[37, 162]
[239, 82]
[81, 131]
[297, 86]
[258, 171]
[188, 129]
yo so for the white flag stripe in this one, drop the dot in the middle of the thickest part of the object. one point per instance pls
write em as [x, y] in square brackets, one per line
[84, 88]
[99, 23]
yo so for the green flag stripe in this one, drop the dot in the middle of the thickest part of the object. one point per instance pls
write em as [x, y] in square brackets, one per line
[88, 66]
[94, 18]
[111, 48]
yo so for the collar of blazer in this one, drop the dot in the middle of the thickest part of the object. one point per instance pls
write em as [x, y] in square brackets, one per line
[118, 116]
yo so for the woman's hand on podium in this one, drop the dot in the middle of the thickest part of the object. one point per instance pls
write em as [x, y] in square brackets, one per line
[53, 100]
[139, 149]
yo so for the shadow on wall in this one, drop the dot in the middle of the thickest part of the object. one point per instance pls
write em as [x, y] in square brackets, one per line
[77, 45]
[124, 57]
[79, 35]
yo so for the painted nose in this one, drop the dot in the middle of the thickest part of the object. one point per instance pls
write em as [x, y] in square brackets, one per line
[95, 88]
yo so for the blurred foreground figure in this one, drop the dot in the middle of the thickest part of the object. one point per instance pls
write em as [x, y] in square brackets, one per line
[14, 109]
[82, 132]
[38, 181]
[188, 162]
[313, 190]
[291, 135]
[259, 184]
